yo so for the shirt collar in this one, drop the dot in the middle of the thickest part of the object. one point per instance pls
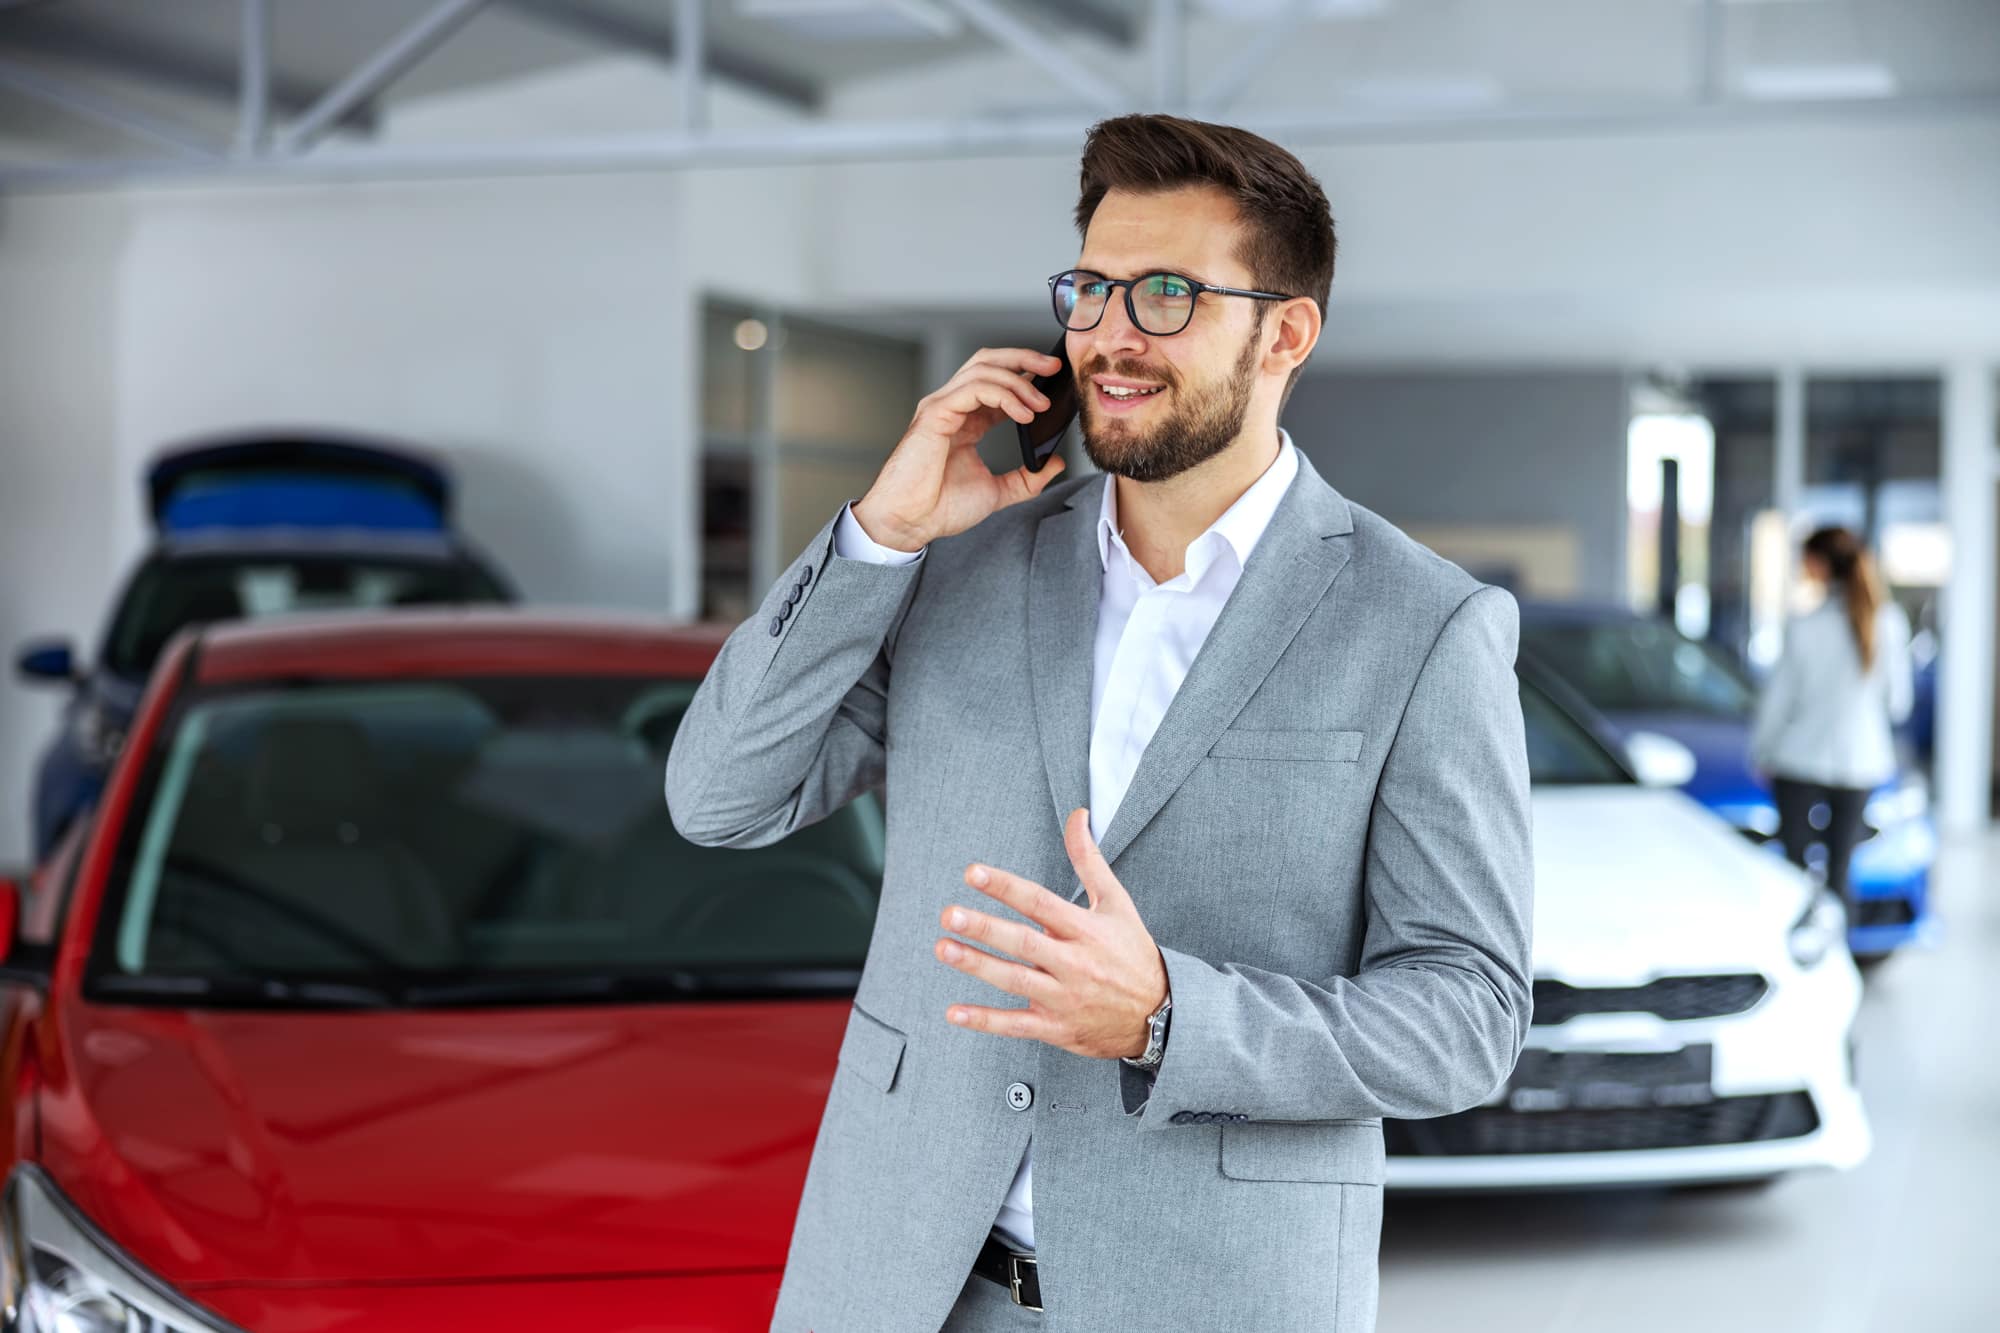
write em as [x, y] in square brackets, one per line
[1239, 526]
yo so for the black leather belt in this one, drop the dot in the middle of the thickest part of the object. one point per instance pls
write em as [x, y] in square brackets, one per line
[1011, 1269]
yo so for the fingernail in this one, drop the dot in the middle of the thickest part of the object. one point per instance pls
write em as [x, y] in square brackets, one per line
[958, 1016]
[949, 951]
[979, 876]
[955, 919]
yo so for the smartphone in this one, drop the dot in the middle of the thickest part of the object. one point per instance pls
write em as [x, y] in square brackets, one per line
[1040, 437]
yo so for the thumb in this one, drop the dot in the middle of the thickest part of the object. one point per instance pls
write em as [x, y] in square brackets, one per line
[1098, 882]
[1034, 483]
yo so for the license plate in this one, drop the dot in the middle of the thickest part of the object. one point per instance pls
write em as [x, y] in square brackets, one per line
[1610, 1080]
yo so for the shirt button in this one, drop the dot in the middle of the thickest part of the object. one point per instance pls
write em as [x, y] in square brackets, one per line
[1020, 1096]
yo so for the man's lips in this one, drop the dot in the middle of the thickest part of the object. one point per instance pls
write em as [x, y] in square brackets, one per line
[1138, 391]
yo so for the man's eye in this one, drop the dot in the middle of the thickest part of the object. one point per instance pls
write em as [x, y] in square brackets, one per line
[1092, 288]
[1174, 287]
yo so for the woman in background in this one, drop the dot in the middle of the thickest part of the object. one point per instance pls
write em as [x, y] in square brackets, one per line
[1824, 722]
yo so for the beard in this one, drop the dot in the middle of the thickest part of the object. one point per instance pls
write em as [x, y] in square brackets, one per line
[1203, 423]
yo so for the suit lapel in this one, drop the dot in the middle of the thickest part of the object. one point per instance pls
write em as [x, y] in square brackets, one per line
[1289, 571]
[1065, 576]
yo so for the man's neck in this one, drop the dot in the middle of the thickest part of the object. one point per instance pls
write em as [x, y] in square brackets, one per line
[1157, 519]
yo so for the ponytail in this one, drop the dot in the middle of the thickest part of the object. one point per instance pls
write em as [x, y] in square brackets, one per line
[1853, 569]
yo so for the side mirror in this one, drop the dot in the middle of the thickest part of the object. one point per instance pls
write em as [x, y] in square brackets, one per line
[10, 914]
[1659, 761]
[20, 964]
[47, 659]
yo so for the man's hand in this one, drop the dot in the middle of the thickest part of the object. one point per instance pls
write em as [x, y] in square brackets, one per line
[1091, 976]
[934, 484]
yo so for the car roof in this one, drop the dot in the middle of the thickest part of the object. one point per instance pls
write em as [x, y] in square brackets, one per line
[428, 642]
[309, 543]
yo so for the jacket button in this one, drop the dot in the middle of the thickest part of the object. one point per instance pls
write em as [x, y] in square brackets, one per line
[1181, 1117]
[777, 625]
[1020, 1096]
[805, 576]
[798, 591]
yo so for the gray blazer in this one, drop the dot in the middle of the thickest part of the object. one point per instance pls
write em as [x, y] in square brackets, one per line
[1327, 836]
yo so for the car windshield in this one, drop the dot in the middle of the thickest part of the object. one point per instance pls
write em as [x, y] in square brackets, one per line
[471, 840]
[1640, 666]
[1560, 752]
[170, 593]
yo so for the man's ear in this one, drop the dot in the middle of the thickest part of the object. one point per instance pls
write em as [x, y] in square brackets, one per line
[1293, 335]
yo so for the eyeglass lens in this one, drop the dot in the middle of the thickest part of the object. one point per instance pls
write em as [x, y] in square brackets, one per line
[1163, 302]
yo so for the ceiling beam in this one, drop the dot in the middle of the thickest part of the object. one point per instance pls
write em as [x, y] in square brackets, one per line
[746, 71]
[1091, 82]
[390, 62]
[855, 141]
[105, 109]
[1091, 16]
[162, 65]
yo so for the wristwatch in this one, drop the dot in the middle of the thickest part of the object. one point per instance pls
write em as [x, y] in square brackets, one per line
[1156, 1037]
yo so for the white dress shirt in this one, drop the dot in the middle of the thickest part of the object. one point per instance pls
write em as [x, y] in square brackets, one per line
[1821, 718]
[1147, 636]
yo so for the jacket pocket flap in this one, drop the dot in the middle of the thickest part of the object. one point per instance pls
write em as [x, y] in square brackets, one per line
[1288, 743]
[1349, 1151]
[871, 1048]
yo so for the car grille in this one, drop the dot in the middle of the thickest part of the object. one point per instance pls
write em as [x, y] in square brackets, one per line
[1496, 1131]
[1884, 912]
[1673, 998]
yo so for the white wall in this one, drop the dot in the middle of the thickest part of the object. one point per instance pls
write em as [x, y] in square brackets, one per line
[58, 470]
[1870, 242]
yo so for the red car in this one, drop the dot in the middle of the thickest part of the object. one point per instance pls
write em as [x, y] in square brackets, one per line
[380, 993]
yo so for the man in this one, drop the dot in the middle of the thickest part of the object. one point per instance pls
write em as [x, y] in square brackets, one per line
[1207, 808]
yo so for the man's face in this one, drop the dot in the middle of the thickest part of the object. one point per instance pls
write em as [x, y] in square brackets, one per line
[1200, 379]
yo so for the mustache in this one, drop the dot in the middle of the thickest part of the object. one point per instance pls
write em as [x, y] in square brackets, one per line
[1131, 370]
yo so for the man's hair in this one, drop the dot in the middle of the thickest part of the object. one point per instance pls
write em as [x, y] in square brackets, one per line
[1288, 242]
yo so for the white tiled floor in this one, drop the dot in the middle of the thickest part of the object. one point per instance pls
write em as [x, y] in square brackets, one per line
[1907, 1243]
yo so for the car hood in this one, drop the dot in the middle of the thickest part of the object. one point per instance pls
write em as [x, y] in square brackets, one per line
[1633, 883]
[228, 1147]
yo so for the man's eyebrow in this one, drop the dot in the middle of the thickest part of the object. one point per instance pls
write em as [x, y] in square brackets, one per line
[1153, 268]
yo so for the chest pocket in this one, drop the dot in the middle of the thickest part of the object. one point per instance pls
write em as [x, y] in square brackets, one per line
[1288, 744]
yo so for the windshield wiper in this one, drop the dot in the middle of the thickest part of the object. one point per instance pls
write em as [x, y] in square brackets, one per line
[247, 992]
[613, 987]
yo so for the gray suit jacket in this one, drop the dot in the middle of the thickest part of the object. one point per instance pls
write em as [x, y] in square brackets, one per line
[1327, 836]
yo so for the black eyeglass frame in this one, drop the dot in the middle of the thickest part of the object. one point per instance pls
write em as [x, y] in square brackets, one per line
[1132, 309]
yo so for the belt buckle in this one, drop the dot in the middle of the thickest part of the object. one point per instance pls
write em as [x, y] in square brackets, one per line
[1014, 1262]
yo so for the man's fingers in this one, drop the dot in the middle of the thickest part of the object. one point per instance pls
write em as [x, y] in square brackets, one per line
[1009, 937]
[1002, 1022]
[1026, 360]
[1027, 982]
[1055, 915]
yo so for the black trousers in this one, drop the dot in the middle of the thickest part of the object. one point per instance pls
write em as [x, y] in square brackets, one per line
[1810, 812]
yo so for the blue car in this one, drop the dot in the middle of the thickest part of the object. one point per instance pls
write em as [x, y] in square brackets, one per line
[1644, 676]
[248, 526]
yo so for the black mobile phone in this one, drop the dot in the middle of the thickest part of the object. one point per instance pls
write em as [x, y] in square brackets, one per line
[1040, 437]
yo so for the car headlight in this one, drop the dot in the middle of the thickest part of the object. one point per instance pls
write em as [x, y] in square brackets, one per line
[1908, 799]
[98, 735]
[1823, 926]
[59, 1274]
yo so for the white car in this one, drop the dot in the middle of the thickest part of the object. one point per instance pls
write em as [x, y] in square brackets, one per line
[1694, 998]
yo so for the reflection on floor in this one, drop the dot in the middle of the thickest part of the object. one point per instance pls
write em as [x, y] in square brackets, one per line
[1908, 1243]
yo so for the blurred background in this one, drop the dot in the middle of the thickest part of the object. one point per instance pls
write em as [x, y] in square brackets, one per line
[1630, 297]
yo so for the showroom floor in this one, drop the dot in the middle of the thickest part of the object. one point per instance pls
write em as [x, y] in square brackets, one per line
[1908, 1243]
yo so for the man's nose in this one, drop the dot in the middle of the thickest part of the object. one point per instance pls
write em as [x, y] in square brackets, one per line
[1116, 335]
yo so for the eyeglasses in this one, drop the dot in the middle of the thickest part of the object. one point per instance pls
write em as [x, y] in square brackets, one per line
[1160, 304]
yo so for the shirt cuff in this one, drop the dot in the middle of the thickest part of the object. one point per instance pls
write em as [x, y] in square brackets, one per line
[851, 543]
